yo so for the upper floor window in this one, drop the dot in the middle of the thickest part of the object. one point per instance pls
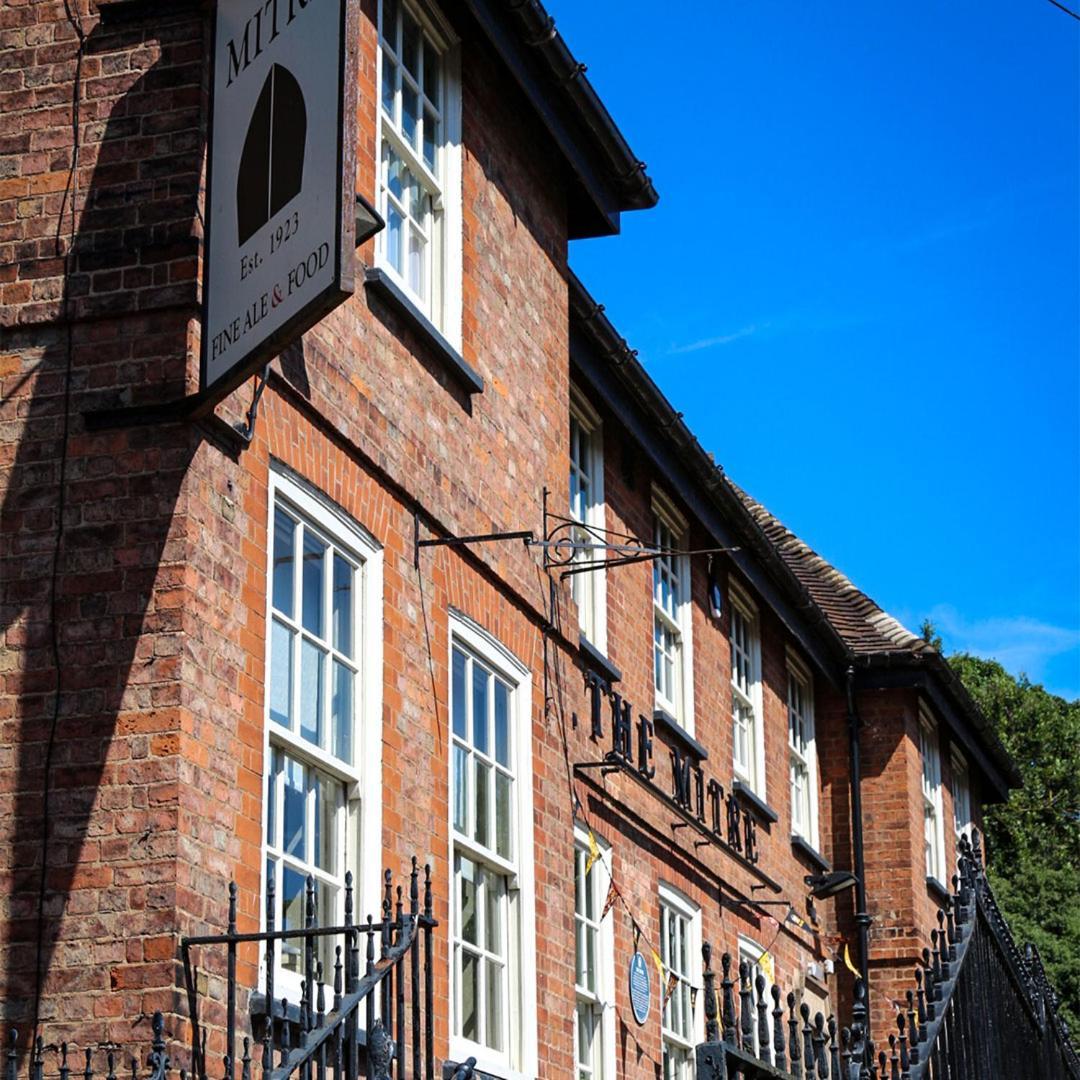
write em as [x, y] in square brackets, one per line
[321, 807]
[594, 979]
[491, 850]
[418, 168]
[587, 508]
[961, 795]
[680, 951]
[748, 737]
[933, 835]
[672, 614]
[802, 753]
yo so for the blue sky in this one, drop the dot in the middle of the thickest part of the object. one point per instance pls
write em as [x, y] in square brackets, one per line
[861, 285]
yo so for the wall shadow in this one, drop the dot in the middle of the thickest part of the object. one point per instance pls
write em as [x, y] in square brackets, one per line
[86, 540]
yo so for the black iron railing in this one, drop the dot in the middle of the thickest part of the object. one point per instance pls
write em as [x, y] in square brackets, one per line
[981, 1008]
[353, 1017]
[64, 1062]
[750, 1037]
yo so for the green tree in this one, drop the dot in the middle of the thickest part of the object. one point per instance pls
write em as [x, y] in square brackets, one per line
[1033, 840]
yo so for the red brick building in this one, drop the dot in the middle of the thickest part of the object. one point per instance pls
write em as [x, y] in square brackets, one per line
[229, 660]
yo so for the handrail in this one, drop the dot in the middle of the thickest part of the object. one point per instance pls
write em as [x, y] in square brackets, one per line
[313, 1040]
[304, 1038]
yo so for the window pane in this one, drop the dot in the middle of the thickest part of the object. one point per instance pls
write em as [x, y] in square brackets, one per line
[470, 993]
[502, 723]
[493, 895]
[341, 710]
[417, 278]
[314, 561]
[467, 917]
[311, 692]
[272, 798]
[294, 810]
[389, 76]
[284, 560]
[461, 789]
[410, 42]
[494, 1005]
[431, 73]
[458, 692]
[482, 831]
[410, 112]
[281, 647]
[431, 134]
[292, 918]
[480, 709]
[390, 21]
[503, 815]
[327, 800]
[343, 605]
[394, 227]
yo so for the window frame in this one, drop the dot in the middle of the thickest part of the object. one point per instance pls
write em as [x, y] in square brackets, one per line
[443, 307]
[667, 516]
[961, 786]
[590, 589]
[739, 603]
[363, 783]
[602, 998]
[520, 1057]
[800, 673]
[677, 903]
[930, 791]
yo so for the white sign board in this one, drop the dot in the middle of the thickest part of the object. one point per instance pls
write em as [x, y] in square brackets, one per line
[279, 252]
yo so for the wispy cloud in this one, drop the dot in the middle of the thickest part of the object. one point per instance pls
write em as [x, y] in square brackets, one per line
[713, 342]
[1019, 643]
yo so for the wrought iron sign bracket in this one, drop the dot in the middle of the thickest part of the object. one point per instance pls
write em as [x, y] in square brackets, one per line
[527, 536]
[565, 539]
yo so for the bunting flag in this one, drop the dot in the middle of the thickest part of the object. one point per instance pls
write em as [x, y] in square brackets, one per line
[672, 985]
[609, 900]
[768, 967]
[659, 966]
[693, 999]
[796, 919]
[594, 852]
[849, 965]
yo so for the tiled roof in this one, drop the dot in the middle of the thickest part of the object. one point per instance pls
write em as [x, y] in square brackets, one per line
[864, 627]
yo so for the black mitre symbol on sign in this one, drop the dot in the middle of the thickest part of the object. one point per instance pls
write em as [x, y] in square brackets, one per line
[272, 164]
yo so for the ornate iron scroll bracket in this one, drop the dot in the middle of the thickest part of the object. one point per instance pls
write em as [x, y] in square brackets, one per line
[573, 547]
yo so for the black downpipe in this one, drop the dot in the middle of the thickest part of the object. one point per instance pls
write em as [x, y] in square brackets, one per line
[862, 918]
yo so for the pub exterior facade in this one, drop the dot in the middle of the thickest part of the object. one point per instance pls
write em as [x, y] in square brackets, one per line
[454, 582]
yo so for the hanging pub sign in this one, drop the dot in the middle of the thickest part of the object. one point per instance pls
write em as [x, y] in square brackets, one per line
[280, 213]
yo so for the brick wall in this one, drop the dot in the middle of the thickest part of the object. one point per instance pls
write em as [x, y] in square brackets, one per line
[160, 614]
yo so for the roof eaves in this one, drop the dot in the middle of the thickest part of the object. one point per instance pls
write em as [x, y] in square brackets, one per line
[567, 88]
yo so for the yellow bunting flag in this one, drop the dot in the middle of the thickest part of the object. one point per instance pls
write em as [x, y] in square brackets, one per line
[693, 999]
[594, 852]
[768, 968]
[609, 901]
[659, 966]
[849, 965]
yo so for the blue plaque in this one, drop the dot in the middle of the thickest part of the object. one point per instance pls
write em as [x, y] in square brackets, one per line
[640, 995]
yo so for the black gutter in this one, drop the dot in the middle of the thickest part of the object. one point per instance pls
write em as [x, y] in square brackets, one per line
[537, 28]
[862, 917]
